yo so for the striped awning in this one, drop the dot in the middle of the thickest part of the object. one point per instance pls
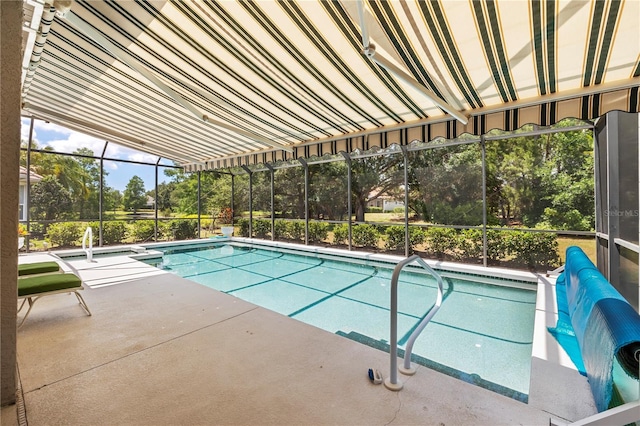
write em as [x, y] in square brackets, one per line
[213, 84]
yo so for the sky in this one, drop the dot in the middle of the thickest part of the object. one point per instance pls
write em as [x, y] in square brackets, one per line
[117, 174]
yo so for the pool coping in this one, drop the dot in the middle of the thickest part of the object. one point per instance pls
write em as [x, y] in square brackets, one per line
[144, 251]
[494, 272]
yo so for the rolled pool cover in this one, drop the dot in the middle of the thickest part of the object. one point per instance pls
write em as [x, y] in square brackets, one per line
[604, 323]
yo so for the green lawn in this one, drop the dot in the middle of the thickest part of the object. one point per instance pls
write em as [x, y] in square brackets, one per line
[588, 245]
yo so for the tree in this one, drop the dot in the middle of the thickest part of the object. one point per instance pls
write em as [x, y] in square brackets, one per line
[49, 199]
[445, 184]
[134, 194]
[289, 192]
[328, 190]
[86, 177]
[543, 181]
[373, 177]
[568, 183]
[112, 199]
[80, 176]
[165, 189]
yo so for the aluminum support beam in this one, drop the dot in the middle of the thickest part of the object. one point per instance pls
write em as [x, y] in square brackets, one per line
[613, 197]
[369, 50]
[347, 158]
[250, 173]
[155, 204]
[199, 204]
[404, 76]
[484, 201]
[405, 157]
[273, 215]
[101, 195]
[306, 199]
[27, 201]
[233, 210]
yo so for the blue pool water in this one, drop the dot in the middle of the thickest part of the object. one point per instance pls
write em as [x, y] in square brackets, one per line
[482, 333]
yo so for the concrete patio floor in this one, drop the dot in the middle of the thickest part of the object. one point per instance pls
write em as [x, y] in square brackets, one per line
[160, 349]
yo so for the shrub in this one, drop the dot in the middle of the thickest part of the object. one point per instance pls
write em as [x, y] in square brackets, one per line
[164, 230]
[340, 233]
[534, 249]
[394, 237]
[280, 229]
[365, 235]
[373, 210]
[295, 230]
[398, 210]
[65, 233]
[470, 243]
[184, 229]
[442, 241]
[496, 245]
[416, 237]
[142, 230]
[318, 231]
[261, 228]
[206, 223]
[113, 232]
[37, 229]
[244, 227]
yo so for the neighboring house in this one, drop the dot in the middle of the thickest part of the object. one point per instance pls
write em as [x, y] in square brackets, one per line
[33, 178]
[151, 203]
[385, 202]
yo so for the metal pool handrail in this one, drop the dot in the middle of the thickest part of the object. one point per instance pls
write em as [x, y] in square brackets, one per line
[392, 382]
[88, 235]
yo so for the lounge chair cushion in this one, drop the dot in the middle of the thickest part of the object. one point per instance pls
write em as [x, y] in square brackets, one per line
[44, 283]
[37, 268]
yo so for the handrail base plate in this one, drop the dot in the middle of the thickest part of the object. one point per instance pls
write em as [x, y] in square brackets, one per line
[408, 371]
[392, 386]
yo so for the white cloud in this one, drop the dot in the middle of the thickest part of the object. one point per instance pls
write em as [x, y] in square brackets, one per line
[142, 156]
[75, 141]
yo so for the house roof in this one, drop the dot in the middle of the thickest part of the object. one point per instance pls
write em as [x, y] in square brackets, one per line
[34, 177]
[214, 84]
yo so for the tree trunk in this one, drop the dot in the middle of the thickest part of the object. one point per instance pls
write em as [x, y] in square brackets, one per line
[360, 209]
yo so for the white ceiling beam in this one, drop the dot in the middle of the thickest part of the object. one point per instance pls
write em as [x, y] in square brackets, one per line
[404, 76]
[369, 50]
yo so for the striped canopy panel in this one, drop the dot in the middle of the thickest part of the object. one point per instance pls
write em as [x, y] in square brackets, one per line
[213, 84]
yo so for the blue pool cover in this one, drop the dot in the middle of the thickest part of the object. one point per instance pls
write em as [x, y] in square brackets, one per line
[595, 324]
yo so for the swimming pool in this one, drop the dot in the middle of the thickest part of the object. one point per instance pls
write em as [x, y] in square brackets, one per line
[483, 332]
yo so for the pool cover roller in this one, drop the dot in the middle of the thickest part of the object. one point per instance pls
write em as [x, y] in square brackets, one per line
[595, 324]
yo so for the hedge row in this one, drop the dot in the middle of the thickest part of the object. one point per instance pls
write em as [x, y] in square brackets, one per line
[67, 234]
[283, 229]
[527, 248]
